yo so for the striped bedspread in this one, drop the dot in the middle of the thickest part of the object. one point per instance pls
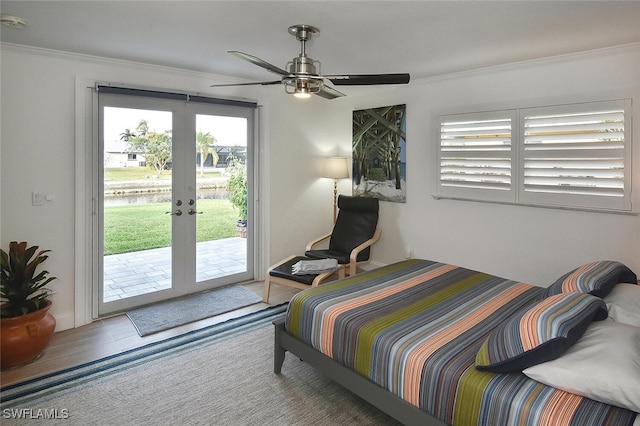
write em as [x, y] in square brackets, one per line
[415, 327]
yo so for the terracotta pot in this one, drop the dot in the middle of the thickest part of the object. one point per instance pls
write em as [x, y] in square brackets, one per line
[241, 226]
[24, 338]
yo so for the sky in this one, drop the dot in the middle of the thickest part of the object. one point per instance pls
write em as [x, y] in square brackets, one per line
[226, 130]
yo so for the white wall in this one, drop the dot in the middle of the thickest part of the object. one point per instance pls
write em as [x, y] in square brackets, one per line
[38, 148]
[301, 200]
[38, 124]
[530, 244]
[534, 245]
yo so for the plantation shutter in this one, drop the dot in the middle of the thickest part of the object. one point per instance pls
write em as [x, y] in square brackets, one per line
[475, 156]
[576, 155]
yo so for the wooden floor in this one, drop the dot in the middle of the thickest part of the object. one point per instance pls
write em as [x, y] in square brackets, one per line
[116, 334]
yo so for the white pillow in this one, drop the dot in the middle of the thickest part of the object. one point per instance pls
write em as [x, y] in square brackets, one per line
[603, 365]
[623, 303]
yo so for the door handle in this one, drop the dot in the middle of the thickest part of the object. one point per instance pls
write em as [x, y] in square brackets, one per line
[177, 212]
[192, 211]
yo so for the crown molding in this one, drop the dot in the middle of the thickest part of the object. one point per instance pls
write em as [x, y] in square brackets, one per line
[101, 60]
[631, 47]
[549, 60]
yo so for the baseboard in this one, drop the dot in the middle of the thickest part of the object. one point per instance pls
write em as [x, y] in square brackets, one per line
[372, 265]
[64, 322]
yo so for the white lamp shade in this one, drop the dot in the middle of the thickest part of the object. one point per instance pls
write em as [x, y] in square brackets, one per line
[336, 168]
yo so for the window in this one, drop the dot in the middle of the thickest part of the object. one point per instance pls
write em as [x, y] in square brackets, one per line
[576, 155]
[476, 156]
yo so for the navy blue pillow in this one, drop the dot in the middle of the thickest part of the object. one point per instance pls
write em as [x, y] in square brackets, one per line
[540, 333]
[595, 278]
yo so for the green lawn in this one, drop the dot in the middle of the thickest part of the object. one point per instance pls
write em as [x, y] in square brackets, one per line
[146, 226]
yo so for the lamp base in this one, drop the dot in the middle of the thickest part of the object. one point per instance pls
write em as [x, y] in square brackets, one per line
[335, 200]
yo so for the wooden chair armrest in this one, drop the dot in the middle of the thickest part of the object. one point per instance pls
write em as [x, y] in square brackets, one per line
[317, 240]
[354, 253]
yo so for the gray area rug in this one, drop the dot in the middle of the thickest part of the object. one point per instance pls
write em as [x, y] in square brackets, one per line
[222, 375]
[173, 313]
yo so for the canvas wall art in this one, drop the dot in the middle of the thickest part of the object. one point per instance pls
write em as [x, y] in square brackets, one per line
[379, 153]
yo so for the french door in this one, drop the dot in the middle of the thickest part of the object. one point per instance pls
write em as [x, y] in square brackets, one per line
[165, 226]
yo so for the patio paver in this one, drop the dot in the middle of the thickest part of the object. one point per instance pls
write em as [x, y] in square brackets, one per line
[131, 274]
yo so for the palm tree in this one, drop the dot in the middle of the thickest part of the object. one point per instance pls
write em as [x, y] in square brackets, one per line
[127, 135]
[156, 147]
[204, 144]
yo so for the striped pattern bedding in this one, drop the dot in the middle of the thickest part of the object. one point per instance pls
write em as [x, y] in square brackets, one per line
[415, 327]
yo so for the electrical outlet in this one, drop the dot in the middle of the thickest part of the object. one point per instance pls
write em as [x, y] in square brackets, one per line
[408, 252]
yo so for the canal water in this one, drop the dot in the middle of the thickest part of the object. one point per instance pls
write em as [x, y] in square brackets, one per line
[159, 197]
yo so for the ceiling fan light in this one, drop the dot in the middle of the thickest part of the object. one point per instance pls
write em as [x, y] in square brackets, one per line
[302, 95]
[303, 89]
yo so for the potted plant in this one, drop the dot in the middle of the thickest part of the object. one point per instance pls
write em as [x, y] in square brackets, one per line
[26, 324]
[237, 187]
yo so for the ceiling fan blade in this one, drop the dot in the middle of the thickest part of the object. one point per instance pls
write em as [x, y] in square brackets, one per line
[259, 62]
[329, 92]
[368, 79]
[257, 83]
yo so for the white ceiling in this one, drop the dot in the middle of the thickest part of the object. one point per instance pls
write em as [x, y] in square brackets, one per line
[424, 38]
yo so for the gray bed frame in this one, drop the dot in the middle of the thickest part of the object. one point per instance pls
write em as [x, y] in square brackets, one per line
[349, 379]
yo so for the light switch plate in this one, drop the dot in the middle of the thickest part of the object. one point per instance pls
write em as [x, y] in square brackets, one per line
[37, 198]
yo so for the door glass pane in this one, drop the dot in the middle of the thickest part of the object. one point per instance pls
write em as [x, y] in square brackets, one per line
[137, 197]
[221, 154]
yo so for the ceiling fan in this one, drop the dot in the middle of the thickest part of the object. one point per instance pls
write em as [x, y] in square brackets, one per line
[304, 78]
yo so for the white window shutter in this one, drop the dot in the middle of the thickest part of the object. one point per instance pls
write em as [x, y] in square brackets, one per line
[475, 156]
[576, 155]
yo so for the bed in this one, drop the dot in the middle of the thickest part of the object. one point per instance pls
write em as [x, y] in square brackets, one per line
[433, 344]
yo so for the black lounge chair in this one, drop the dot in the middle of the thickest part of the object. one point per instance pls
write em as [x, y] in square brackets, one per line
[354, 232]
